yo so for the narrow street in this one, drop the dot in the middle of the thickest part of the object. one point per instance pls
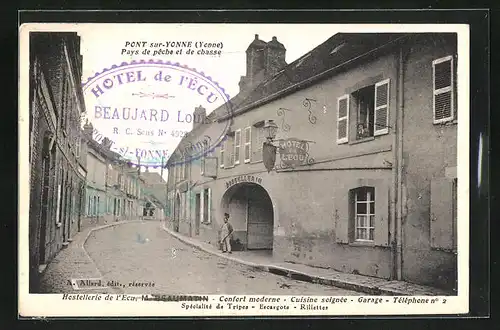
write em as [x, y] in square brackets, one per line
[143, 253]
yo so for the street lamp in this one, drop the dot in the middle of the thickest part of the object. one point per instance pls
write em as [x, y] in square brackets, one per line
[268, 149]
[270, 130]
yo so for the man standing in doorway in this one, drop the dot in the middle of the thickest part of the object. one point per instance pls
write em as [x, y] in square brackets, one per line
[226, 233]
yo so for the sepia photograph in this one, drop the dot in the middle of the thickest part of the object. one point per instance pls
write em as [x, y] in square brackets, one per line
[243, 169]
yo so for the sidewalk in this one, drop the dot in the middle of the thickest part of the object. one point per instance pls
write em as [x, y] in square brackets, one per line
[360, 283]
[73, 262]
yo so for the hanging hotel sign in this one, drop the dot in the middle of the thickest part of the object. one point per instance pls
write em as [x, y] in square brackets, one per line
[243, 178]
[294, 152]
[268, 156]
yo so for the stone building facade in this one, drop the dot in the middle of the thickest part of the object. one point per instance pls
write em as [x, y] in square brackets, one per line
[365, 179]
[58, 169]
[114, 188]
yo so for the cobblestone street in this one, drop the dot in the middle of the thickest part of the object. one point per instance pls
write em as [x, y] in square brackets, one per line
[143, 253]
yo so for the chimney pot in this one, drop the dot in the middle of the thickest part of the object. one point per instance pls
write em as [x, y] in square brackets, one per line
[256, 37]
[274, 39]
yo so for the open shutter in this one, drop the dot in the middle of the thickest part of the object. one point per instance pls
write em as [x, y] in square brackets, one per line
[443, 89]
[230, 152]
[237, 144]
[341, 217]
[248, 144]
[259, 142]
[222, 151]
[342, 119]
[441, 217]
[381, 213]
[381, 107]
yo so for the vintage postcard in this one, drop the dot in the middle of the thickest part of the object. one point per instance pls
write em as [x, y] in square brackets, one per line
[243, 169]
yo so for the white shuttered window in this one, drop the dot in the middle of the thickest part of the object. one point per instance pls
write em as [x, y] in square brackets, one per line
[342, 119]
[248, 144]
[237, 143]
[442, 76]
[221, 161]
[382, 107]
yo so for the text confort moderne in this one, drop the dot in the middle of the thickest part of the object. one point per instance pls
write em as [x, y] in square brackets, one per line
[126, 113]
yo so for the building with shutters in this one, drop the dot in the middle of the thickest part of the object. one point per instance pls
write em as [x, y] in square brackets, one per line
[57, 163]
[114, 188]
[365, 176]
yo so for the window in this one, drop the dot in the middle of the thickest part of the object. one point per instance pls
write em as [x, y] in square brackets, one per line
[364, 214]
[221, 160]
[365, 104]
[443, 213]
[370, 112]
[186, 168]
[342, 119]
[119, 179]
[258, 141]
[77, 146]
[247, 144]
[206, 206]
[442, 73]
[237, 142]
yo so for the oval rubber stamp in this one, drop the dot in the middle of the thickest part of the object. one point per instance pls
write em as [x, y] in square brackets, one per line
[145, 108]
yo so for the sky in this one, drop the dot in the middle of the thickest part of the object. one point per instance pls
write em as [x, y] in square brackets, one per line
[105, 45]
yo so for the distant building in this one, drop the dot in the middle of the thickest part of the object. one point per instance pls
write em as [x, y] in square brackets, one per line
[58, 169]
[365, 175]
[156, 189]
[113, 186]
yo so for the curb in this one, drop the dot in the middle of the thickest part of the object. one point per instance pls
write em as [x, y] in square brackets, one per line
[104, 227]
[297, 275]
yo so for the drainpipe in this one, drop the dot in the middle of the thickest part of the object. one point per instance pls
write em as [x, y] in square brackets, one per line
[398, 173]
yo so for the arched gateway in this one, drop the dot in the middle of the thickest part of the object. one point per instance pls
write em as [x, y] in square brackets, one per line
[251, 214]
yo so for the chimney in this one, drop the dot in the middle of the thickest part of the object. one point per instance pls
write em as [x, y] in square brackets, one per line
[199, 116]
[106, 143]
[274, 57]
[255, 62]
[88, 129]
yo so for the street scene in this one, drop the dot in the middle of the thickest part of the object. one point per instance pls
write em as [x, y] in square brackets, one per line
[249, 165]
[146, 259]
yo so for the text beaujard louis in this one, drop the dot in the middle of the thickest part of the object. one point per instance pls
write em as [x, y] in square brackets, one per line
[162, 115]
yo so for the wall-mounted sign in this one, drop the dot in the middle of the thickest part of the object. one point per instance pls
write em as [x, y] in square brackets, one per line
[294, 152]
[210, 167]
[268, 156]
[183, 187]
[243, 178]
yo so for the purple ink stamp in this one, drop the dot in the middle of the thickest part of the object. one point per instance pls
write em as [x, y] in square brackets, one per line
[146, 108]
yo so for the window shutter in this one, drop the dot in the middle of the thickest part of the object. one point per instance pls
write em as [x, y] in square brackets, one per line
[341, 217]
[381, 213]
[258, 141]
[443, 89]
[381, 107]
[222, 159]
[248, 144]
[342, 119]
[237, 143]
[230, 153]
[441, 217]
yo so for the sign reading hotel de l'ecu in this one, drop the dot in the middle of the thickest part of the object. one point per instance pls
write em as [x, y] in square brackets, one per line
[293, 152]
